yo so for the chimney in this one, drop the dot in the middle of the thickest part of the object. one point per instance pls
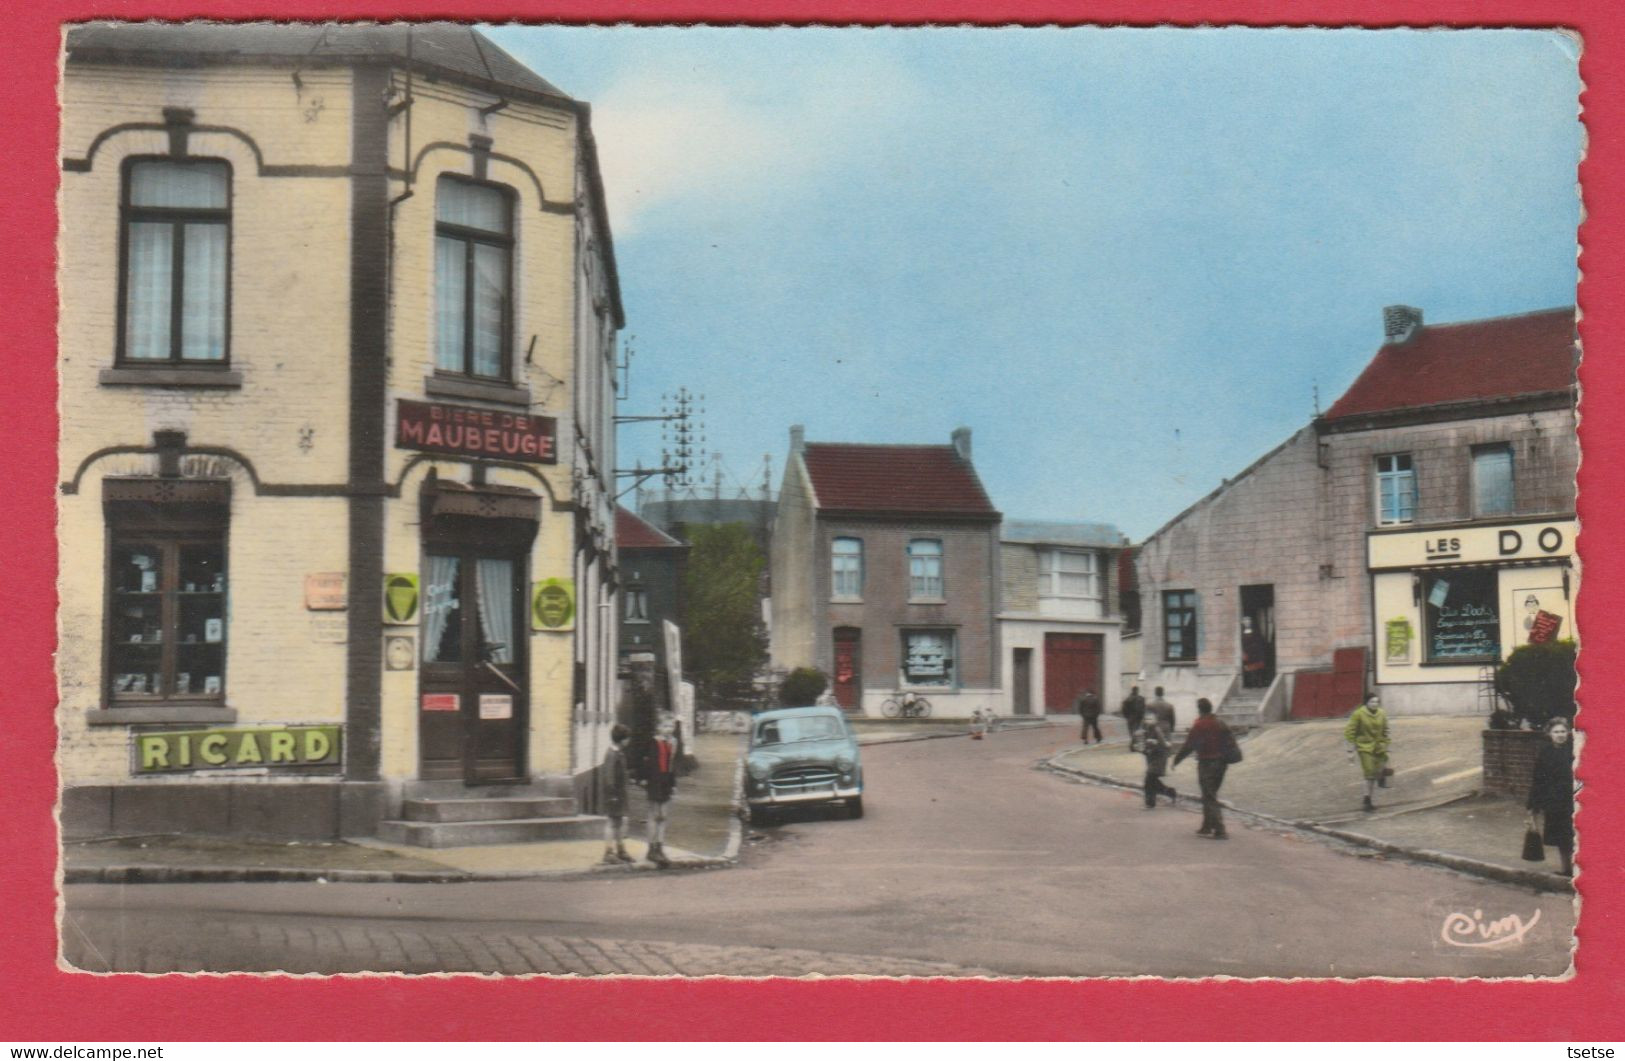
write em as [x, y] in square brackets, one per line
[1400, 323]
[798, 439]
[961, 438]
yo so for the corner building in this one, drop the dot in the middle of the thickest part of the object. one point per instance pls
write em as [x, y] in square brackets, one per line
[338, 328]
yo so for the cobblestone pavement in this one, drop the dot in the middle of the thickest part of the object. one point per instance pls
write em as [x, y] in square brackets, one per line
[189, 943]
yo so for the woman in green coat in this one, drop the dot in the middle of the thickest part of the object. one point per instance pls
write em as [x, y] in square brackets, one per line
[1367, 735]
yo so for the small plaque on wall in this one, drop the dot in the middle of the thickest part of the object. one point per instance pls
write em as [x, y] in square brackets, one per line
[439, 701]
[496, 705]
[399, 653]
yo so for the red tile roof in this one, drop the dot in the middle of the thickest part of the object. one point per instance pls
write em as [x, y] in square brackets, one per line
[1482, 360]
[925, 480]
[634, 532]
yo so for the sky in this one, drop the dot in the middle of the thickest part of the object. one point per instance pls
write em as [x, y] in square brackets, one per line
[1127, 259]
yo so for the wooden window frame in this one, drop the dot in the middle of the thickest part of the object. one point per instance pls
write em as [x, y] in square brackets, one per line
[941, 578]
[177, 218]
[1381, 476]
[1172, 607]
[471, 237]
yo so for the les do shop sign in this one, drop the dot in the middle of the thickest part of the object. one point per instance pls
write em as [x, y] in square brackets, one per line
[463, 431]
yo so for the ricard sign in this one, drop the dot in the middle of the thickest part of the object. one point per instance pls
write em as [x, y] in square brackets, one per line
[228, 749]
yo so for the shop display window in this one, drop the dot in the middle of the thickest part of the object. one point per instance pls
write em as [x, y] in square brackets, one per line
[166, 618]
[1462, 621]
[928, 657]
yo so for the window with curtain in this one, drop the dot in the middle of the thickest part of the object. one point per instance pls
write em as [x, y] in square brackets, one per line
[1492, 480]
[1068, 573]
[166, 616]
[846, 569]
[473, 253]
[925, 569]
[442, 610]
[495, 578]
[177, 244]
[637, 605]
[1396, 488]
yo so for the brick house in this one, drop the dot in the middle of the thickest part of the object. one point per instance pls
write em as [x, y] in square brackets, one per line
[1405, 541]
[1059, 624]
[885, 573]
[339, 309]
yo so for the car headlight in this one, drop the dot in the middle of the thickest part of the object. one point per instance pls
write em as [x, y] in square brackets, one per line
[844, 763]
[757, 769]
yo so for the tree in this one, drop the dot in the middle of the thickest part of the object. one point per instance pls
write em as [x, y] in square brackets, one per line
[804, 685]
[724, 643]
[1539, 680]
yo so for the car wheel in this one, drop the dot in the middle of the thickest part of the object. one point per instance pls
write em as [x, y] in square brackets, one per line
[854, 807]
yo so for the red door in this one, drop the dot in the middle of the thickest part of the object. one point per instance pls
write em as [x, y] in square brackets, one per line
[1071, 664]
[848, 668]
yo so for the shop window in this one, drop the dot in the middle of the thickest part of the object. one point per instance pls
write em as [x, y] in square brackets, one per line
[176, 262]
[473, 268]
[1492, 480]
[846, 569]
[1462, 621]
[1069, 573]
[166, 615]
[928, 657]
[637, 605]
[1396, 489]
[1179, 626]
[925, 569]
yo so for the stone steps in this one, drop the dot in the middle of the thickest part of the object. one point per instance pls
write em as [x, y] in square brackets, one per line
[497, 808]
[499, 831]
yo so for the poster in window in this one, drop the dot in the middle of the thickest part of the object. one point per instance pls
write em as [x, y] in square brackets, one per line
[1398, 640]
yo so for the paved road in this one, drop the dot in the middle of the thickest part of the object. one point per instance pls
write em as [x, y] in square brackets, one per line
[968, 860]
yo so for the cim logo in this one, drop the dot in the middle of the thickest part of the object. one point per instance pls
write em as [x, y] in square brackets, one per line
[1462, 931]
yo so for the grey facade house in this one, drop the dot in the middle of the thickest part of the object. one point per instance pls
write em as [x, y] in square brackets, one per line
[1403, 543]
[885, 569]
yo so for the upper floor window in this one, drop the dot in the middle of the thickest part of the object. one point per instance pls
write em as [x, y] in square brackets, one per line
[1068, 573]
[925, 569]
[846, 568]
[177, 241]
[1179, 626]
[637, 605]
[473, 270]
[1396, 488]
[1492, 480]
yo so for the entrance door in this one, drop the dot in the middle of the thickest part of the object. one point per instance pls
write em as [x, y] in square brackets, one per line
[1257, 636]
[1071, 665]
[849, 668]
[473, 707]
[1021, 677]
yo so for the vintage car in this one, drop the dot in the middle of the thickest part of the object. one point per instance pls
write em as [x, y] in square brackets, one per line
[802, 755]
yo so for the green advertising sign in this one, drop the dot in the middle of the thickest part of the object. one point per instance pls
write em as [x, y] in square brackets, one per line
[400, 598]
[553, 604]
[225, 749]
[1399, 640]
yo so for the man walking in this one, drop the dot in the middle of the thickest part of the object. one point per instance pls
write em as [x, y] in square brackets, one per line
[1164, 712]
[1215, 747]
[1134, 715]
[1088, 706]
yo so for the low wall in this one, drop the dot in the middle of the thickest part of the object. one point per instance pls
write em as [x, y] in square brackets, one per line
[1509, 760]
[722, 721]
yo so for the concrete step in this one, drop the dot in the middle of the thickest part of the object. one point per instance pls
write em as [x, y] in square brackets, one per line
[541, 788]
[511, 831]
[481, 809]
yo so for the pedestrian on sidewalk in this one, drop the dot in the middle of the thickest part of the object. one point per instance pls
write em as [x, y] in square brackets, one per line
[978, 724]
[1164, 712]
[1551, 792]
[660, 781]
[1215, 748]
[1088, 705]
[1367, 736]
[612, 780]
[1154, 746]
[1134, 716]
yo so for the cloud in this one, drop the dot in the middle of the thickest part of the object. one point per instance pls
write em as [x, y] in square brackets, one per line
[710, 140]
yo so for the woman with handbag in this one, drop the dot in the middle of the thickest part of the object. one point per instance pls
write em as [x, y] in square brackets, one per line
[1551, 792]
[1367, 735]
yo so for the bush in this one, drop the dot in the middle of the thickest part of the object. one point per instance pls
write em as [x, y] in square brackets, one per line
[1539, 680]
[802, 686]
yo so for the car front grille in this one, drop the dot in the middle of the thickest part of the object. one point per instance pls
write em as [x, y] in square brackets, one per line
[801, 778]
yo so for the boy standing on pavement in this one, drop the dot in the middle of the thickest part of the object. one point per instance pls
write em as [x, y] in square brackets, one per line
[1089, 710]
[612, 778]
[660, 781]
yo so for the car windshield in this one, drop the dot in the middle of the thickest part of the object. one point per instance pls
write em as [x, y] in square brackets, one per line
[793, 729]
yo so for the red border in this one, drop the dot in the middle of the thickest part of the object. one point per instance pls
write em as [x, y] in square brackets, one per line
[41, 1003]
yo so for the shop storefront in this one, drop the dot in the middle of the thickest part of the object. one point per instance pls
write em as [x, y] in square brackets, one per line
[1450, 603]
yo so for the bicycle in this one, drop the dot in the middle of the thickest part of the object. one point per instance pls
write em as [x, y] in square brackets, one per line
[906, 705]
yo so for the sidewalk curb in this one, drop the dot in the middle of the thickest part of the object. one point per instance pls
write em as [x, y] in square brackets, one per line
[1528, 878]
[910, 737]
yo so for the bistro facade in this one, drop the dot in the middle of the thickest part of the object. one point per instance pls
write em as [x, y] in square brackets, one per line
[338, 322]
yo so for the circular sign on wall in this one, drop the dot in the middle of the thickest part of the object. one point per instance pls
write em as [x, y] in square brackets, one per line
[553, 604]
